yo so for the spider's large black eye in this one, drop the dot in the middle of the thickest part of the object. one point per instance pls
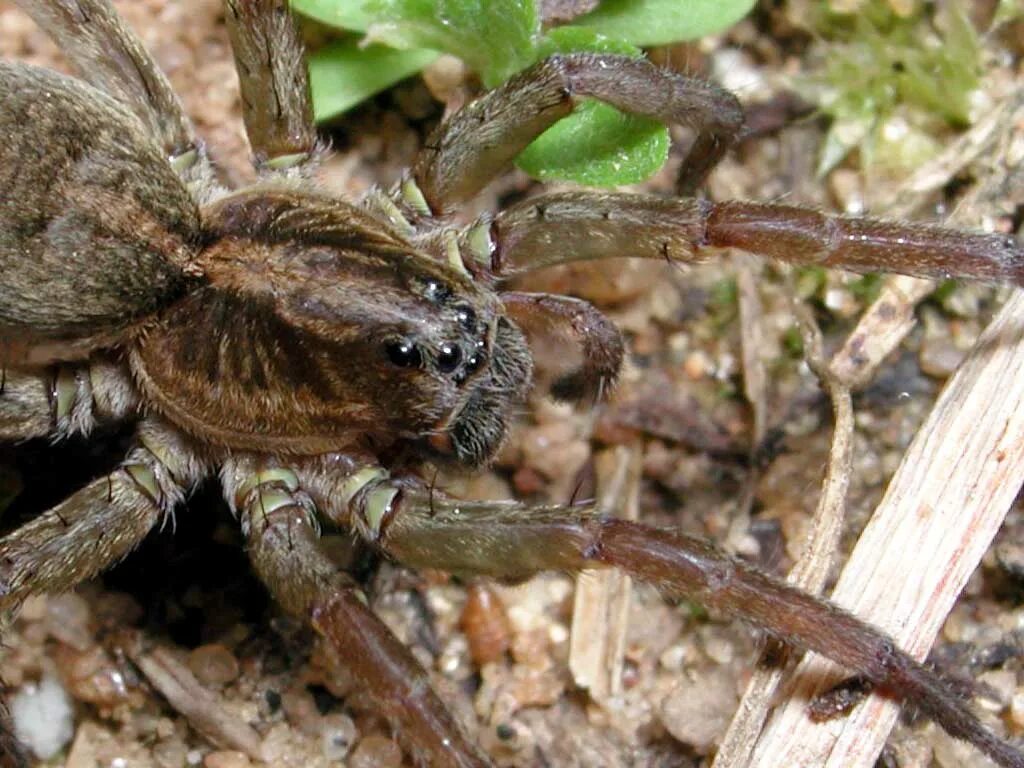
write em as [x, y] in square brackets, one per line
[448, 357]
[404, 354]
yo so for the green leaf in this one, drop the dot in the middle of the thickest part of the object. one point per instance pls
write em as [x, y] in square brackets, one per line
[342, 14]
[496, 39]
[596, 145]
[659, 22]
[345, 73]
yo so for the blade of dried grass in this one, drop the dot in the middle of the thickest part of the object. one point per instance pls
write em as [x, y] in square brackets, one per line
[820, 551]
[601, 608]
[943, 506]
[203, 709]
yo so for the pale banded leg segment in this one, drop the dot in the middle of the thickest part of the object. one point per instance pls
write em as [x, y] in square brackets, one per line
[70, 399]
[276, 103]
[283, 545]
[98, 525]
[109, 56]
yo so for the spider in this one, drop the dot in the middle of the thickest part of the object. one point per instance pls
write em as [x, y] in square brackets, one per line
[313, 352]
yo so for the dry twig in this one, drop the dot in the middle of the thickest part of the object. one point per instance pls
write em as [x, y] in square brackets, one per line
[601, 608]
[943, 506]
[820, 549]
[200, 707]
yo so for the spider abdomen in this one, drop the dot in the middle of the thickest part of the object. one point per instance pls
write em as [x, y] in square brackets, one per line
[88, 207]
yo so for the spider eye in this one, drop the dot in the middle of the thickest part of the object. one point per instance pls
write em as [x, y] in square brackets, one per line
[404, 354]
[448, 357]
[436, 291]
[466, 317]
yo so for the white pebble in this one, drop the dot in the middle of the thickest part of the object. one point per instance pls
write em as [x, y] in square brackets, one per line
[42, 717]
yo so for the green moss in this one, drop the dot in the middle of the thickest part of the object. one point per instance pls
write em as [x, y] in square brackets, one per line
[892, 84]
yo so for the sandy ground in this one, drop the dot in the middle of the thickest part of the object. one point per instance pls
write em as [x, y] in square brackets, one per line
[680, 409]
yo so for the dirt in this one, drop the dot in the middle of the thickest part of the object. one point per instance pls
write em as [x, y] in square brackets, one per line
[680, 404]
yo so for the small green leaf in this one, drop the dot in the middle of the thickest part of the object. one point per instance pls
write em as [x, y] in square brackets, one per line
[496, 39]
[341, 14]
[596, 145]
[659, 22]
[345, 73]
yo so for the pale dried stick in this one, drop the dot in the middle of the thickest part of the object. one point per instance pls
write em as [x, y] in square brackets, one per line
[601, 608]
[202, 708]
[937, 519]
[820, 550]
[881, 329]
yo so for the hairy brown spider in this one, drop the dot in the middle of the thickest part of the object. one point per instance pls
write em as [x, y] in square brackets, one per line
[312, 351]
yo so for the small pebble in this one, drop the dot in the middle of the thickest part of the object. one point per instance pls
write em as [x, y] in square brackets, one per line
[376, 752]
[213, 664]
[697, 365]
[300, 708]
[939, 356]
[485, 622]
[91, 676]
[338, 736]
[997, 688]
[673, 657]
[697, 712]
[841, 302]
[34, 608]
[226, 759]
[68, 618]
[847, 187]
[1017, 710]
[42, 717]
[170, 753]
[444, 77]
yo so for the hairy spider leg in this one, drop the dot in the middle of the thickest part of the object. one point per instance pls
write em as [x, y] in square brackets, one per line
[71, 399]
[110, 56]
[276, 104]
[572, 321]
[92, 530]
[508, 540]
[571, 226]
[283, 545]
[483, 138]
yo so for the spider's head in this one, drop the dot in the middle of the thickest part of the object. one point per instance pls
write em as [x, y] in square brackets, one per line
[318, 328]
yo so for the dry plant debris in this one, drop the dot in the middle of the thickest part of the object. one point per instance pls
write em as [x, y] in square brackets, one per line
[693, 336]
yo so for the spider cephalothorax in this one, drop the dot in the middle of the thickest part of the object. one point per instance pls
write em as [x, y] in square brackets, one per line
[333, 332]
[307, 351]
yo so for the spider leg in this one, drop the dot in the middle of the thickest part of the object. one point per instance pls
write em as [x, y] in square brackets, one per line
[483, 138]
[69, 400]
[98, 525]
[566, 319]
[572, 226]
[276, 103]
[513, 541]
[89, 532]
[111, 57]
[282, 537]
